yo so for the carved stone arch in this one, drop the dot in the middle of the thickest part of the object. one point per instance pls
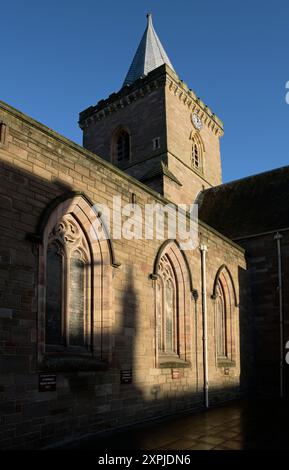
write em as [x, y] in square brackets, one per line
[170, 252]
[225, 270]
[65, 202]
[160, 252]
[195, 135]
[79, 209]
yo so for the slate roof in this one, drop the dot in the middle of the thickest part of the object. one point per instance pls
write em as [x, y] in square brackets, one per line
[159, 169]
[248, 206]
[150, 55]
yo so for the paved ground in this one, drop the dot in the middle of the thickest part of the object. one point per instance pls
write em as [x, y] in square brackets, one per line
[240, 425]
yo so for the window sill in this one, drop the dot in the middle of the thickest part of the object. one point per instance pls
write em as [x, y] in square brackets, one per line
[71, 363]
[225, 362]
[199, 171]
[172, 362]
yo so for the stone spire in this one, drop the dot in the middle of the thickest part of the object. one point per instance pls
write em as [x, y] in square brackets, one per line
[150, 54]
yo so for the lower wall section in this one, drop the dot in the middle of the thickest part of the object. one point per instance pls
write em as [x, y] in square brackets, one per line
[90, 402]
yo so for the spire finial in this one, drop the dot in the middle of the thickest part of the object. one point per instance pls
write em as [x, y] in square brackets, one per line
[150, 55]
[149, 18]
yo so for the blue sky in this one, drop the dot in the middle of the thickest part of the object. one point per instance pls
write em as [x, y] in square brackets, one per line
[61, 56]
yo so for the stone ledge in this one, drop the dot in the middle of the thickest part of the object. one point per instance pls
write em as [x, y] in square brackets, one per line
[173, 363]
[227, 363]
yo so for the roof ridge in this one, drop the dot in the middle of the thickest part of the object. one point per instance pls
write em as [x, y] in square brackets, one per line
[246, 178]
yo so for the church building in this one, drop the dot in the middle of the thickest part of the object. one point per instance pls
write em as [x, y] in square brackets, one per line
[97, 333]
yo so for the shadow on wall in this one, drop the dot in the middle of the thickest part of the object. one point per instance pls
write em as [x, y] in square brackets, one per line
[85, 401]
[247, 343]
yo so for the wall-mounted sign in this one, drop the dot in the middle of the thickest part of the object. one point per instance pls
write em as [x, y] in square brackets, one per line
[176, 374]
[47, 382]
[126, 376]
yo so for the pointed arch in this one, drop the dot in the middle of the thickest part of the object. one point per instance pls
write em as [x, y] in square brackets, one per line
[197, 151]
[161, 250]
[195, 135]
[225, 297]
[224, 269]
[173, 288]
[70, 245]
[121, 145]
[65, 201]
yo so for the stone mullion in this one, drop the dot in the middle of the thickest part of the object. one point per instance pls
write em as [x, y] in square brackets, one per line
[66, 294]
[164, 317]
[157, 326]
[87, 303]
[176, 319]
[215, 302]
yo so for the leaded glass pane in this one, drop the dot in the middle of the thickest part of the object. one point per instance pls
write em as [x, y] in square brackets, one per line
[166, 307]
[159, 315]
[53, 316]
[77, 301]
[169, 315]
[122, 147]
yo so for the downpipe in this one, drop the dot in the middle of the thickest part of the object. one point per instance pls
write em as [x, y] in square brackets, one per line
[203, 249]
[278, 238]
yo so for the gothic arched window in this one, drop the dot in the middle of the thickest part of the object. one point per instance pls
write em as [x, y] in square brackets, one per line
[221, 322]
[74, 284]
[122, 146]
[167, 308]
[225, 298]
[197, 150]
[173, 340]
[68, 270]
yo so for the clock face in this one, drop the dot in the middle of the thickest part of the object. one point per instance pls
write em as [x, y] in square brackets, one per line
[196, 120]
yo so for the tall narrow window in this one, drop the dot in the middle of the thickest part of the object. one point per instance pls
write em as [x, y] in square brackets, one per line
[167, 308]
[221, 322]
[225, 297]
[2, 133]
[123, 147]
[195, 156]
[156, 143]
[197, 152]
[67, 278]
[77, 300]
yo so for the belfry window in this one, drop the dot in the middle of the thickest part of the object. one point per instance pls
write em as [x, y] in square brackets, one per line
[68, 271]
[197, 152]
[196, 156]
[123, 147]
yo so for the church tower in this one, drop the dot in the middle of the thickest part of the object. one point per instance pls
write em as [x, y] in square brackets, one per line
[155, 128]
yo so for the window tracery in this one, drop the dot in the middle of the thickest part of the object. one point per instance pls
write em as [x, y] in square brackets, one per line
[67, 281]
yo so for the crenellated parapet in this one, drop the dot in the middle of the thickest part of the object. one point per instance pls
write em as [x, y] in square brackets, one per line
[163, 76]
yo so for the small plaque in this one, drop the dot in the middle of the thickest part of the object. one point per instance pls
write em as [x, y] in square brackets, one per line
[175, 374]
[47, 383]
[126, 376]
